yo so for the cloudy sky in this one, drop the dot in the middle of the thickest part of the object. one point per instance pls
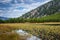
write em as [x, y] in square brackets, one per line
[15, 8]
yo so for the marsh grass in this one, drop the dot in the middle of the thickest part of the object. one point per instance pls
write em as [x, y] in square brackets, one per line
[45, 32]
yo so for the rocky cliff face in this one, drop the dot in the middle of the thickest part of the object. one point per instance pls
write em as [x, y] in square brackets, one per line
[44, 10]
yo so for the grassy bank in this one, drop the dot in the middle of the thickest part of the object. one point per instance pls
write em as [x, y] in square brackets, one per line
[46, 32]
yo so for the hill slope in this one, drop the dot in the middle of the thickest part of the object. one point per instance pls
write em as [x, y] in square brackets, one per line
[51, 18]
[47, 9]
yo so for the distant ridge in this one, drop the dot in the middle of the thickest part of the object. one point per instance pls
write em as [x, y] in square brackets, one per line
[47, 9]
[3, 18]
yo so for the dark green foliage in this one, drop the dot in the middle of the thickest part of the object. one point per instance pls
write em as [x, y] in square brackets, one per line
[15, 20]
[52, 18]
[1, 21]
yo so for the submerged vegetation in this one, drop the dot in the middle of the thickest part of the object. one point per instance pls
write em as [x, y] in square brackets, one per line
[45, 32]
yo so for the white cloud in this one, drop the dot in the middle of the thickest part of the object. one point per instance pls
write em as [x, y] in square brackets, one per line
[2, 12]
[14, 12]
[5, 1]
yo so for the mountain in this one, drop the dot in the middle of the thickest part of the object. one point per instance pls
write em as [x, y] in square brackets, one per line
[44, 10]
[3, 18]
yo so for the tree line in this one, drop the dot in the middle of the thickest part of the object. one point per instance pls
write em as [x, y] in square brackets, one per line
[51, 18]
[32, 20]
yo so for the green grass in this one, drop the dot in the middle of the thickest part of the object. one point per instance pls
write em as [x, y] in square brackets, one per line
[51, 18]
[46, 32]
